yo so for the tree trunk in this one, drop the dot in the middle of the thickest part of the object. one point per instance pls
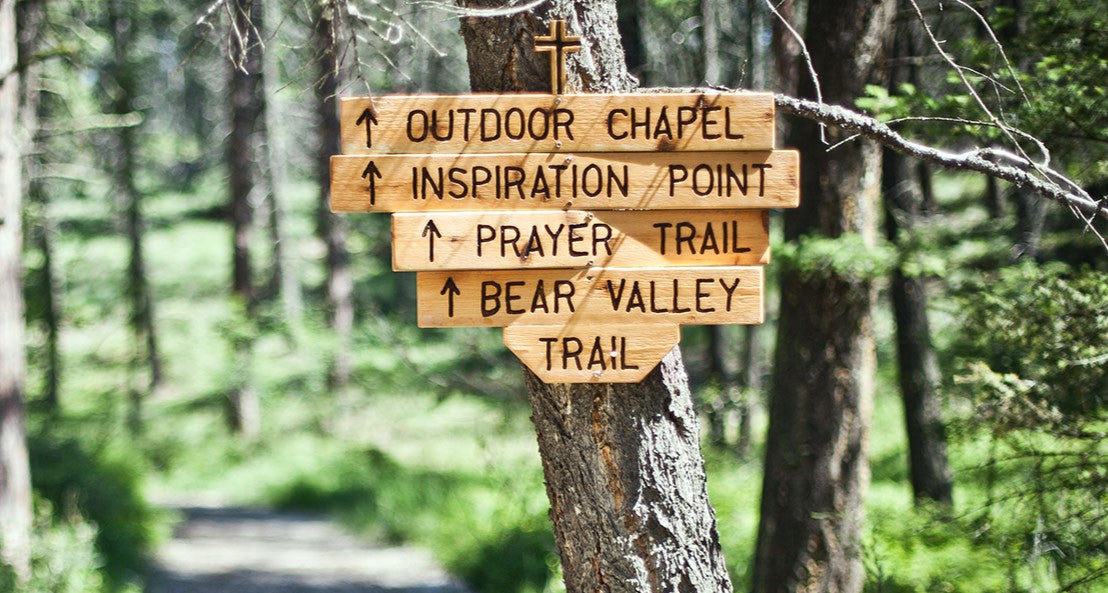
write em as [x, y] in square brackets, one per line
[786, 49]
[917, 366]
[931, 475]
[755, 49]
[283, 279]
[331, 229]
[15, 477]
[630, 21]
[120, 21]
[710, 11]
[623, 469]
[721, 375]
[242, 157]
[994, 202]
[750, 383]
[821, 397]
[31, 17]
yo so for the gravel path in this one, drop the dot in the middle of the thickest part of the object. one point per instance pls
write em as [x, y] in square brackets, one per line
[241, 550]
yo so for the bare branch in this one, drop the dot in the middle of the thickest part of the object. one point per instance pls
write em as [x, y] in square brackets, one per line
[980, 160]
[807, 60]
[488, 12]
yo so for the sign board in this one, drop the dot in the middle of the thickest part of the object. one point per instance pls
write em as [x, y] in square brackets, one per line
[592, 181]
[601, 353]
[536, 123]
[493, 240]
[710, 295]
[589, 226]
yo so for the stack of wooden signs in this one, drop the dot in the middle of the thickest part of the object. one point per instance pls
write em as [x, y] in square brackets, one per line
[589, 226]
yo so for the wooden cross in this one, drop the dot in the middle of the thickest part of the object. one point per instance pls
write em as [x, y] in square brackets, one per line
[558, 44]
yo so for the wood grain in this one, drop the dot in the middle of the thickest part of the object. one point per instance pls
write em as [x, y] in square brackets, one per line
[498, 298]
[574, 239]
[482, 123]
[593, 181]
[591, 353]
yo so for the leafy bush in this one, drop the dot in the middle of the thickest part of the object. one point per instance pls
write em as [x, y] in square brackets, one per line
[103, 484]
[1033, 354]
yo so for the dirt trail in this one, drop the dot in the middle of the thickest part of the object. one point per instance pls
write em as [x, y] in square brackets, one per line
[240, 550]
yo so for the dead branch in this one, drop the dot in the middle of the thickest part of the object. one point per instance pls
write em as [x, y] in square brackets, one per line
[982, 160]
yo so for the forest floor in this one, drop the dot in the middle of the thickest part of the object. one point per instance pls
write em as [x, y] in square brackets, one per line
[250, 550]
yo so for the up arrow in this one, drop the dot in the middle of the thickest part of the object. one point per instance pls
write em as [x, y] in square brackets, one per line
[369, 119]
[431, 231]
[450, 290]
[373, 173]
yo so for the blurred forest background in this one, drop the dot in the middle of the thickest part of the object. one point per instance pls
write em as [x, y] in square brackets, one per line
[198, 325]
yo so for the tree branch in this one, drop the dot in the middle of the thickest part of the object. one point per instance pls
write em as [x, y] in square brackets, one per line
[979, 160]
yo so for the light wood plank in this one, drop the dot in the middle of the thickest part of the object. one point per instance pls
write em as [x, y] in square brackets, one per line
[568, 239]
[591, 353]
[593, 181]
[700, 295]
[499, 123]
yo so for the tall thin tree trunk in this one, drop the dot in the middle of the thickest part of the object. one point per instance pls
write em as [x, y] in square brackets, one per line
[242, 156]
[750, 383]
[31, 16]
[120, 21]
[722, 375]
[622, 463]
[15, 476]
[631, 21]
[917, 365]
[1030, 211]
[785, 48]
[330, 228]
[817, 450]
[710, 12]
[918, 368]
[284, 279]
[756, 50]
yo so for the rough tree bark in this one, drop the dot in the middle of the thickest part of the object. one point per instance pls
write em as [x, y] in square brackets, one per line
[331, 229]
[15, 476]
[817, 466]
[622, 463]
[241, 158]
[125, 89]
[917, 366]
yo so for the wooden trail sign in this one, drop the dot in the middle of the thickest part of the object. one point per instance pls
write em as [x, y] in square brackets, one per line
[602, 353]
[574, 239]
[702, 295]
[594, 181]
[522, 123]
[590, 227]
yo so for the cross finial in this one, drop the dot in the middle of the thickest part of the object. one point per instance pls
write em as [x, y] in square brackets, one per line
[558, 44]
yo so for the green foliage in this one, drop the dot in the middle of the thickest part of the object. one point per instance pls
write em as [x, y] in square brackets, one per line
[485, 534]
[103, 483]
[847, 257]
[1033, 357]
[1035, 342]
[920, 551]
[64, 558]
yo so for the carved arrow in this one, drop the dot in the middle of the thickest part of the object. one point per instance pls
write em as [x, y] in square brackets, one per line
[431, 231]
[450, 290]
[369, 119]
[373, 173]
